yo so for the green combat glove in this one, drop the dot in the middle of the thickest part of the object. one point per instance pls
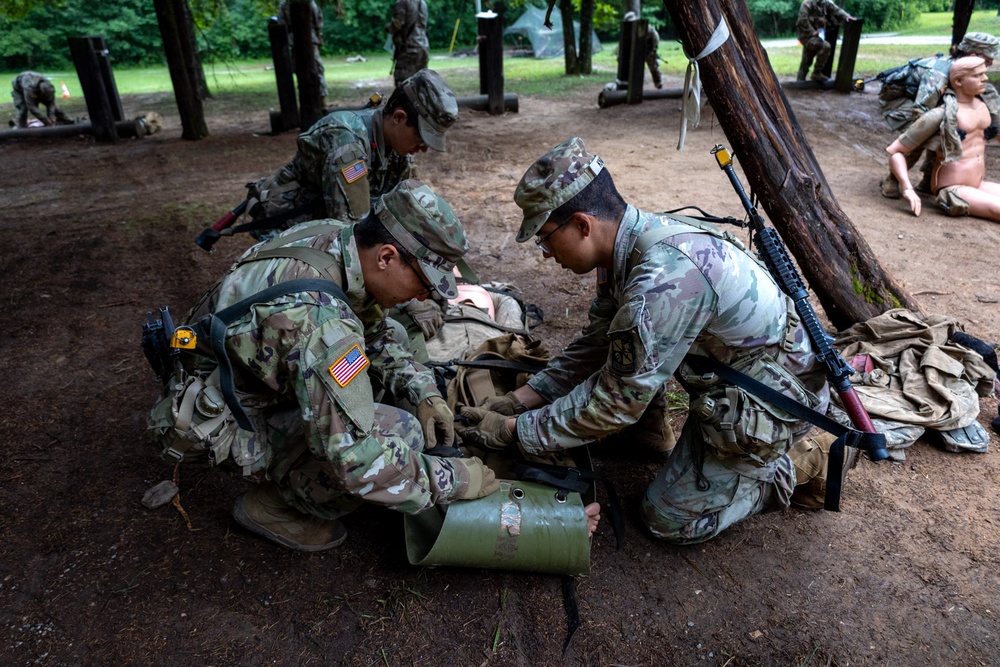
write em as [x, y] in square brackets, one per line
[505, 405]
[487, 429]
[437, 420]
[481, 481]
[427, 315]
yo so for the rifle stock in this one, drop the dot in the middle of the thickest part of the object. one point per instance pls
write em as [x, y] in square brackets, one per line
[779, 264]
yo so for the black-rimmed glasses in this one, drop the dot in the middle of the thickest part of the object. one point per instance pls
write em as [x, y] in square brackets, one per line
[428, 288]
[542, 241]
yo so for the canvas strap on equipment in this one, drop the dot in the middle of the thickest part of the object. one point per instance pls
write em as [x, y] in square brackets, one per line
[214, 325]
[846, 437]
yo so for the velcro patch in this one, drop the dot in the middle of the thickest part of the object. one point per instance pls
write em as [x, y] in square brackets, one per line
[353, 172]
[623, 360]
[348, 366]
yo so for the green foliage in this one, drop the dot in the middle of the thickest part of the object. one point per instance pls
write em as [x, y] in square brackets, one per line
[38, 41]
[884, 14]
[774, 17]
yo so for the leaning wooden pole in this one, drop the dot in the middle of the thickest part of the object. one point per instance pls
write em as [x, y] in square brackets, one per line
[840, 267]
[960, 19]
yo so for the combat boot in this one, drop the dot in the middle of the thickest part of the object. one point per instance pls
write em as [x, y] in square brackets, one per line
[263, 511]
[818, 76]
[890, 187]
[810, 456]
[803, 70]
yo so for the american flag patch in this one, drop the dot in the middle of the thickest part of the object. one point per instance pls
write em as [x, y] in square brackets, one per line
[348, 366]
[353, 172]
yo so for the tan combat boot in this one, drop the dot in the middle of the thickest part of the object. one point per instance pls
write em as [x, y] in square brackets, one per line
[263, 511]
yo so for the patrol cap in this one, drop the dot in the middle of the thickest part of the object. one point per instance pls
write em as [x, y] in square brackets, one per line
[46, 91]
[437, 109]
[980, 43]
[425, 225]
[553, 180]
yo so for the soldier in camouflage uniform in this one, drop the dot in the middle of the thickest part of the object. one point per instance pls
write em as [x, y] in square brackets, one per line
[348, 159]
[315, 38]
[408, 28]
[668, 289]
[900, 110]
[31, 89]
[815, 16]
[302, 364]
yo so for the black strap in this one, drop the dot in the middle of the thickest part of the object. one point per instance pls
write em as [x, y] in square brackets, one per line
[567, 478]
[486, 323]
[214, 325]
[492, 364]
[274, 221]
[846, 437]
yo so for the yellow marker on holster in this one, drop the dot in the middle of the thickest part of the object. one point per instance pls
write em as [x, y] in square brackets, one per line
[722, 156]
[184, 338]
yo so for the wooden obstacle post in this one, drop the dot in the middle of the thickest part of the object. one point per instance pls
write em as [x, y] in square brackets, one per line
[288, 116]
[491, 61]
[95, 81]
[848, 56]
[637, 60]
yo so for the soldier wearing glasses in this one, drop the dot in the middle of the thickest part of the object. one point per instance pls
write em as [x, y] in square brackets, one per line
[667, 288]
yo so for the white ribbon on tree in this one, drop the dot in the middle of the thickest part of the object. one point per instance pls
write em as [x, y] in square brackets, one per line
[691, 98]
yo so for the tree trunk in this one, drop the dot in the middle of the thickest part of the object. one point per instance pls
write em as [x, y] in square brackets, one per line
[960, 20]
[304, 60]
[584, 63]
[781, 169]
[569, 43]
[192, 57]
[171, 15]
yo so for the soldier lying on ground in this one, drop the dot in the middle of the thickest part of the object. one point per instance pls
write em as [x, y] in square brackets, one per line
[963, 125]
[31, 89]
[666, 290]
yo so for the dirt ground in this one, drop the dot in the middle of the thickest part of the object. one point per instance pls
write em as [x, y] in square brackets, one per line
[93, 236]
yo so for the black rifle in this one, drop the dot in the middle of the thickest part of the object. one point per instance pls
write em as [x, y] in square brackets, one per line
[775, 256]
[223, 226]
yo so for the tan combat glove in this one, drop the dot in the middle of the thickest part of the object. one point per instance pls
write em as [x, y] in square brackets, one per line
[437, 420]
[479, 480]
[427, 315]
[487, 429]
[505, 405]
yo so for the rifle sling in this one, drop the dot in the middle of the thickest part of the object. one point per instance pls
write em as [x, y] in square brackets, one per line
[846, 437]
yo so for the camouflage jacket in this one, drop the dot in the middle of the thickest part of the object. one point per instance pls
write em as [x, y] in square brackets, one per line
[692, 293]
[284, 352]
[815, 15]
[315, 21]
[344, 157]
[409, 26]
[27, 90]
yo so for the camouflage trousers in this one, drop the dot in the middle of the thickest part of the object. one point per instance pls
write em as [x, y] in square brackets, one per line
[307, 479]
[653, 62]
[697, 495]
[409, 62]
[276, 196]
[814, 48]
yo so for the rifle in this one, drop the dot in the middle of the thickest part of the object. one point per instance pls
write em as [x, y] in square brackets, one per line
[838, 372]
[206, 240]
[209, 236]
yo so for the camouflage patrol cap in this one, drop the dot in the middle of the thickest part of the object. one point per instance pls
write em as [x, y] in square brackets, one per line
[980, 43]
[436, 106]
[426, 225]
[553, 180]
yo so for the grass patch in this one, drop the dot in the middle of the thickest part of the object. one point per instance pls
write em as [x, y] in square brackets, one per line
[245, 83]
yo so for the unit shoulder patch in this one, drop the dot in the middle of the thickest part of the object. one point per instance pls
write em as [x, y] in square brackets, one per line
[623, 361]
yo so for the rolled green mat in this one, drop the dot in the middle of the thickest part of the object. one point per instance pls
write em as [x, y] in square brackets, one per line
[522, 526]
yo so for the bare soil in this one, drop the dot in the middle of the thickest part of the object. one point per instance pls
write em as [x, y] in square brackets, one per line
[92, 236]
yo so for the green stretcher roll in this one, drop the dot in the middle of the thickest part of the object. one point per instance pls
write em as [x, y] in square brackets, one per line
[523, 526]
